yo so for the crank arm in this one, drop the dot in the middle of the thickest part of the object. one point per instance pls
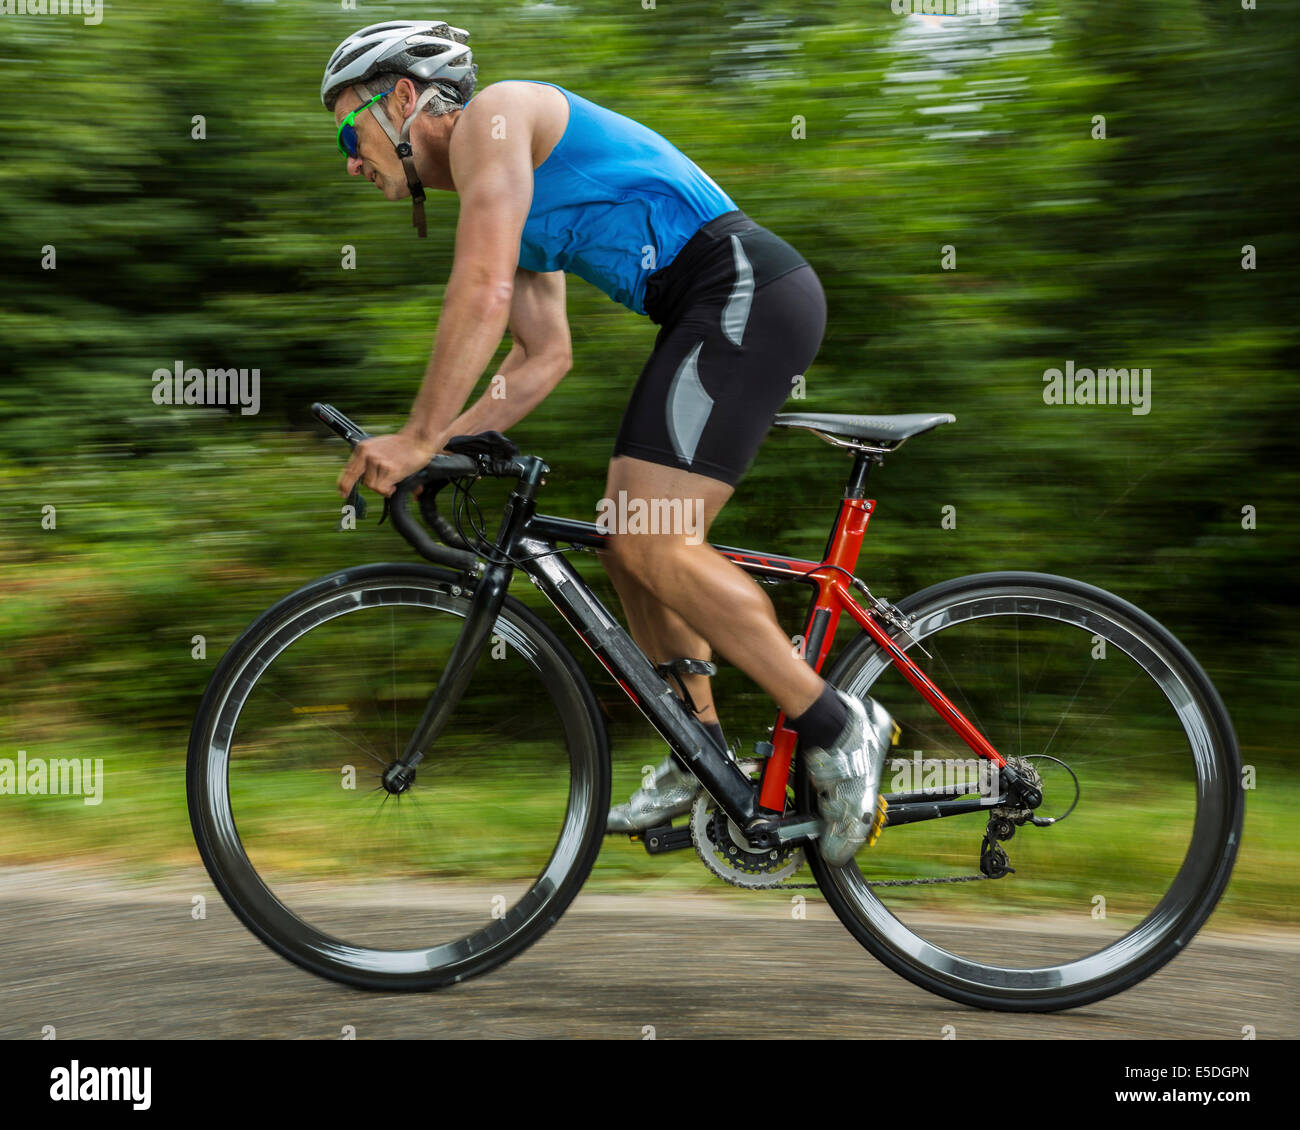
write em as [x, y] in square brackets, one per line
[800, 829]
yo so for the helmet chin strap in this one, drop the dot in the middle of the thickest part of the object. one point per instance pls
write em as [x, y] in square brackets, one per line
[402, 144]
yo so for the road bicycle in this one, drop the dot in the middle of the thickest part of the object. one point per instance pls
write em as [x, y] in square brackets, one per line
[399, 776]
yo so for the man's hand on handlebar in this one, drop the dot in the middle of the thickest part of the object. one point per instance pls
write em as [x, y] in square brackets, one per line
[381, 462]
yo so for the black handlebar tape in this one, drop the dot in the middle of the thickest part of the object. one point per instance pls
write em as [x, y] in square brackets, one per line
[446, 532]
[449, 467]
[439, 470]
[425, 545]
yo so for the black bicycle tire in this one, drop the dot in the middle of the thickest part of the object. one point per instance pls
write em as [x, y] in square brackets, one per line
[211, 849]
[1209, 890]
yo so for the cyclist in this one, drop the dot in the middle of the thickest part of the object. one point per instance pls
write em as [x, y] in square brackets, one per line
[550, 182]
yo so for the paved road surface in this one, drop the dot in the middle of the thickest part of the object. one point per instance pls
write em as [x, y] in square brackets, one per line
[98, 958]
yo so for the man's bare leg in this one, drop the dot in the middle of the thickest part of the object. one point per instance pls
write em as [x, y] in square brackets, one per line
[632, 561]
[684, 599]
[663, 635]
[680, 593]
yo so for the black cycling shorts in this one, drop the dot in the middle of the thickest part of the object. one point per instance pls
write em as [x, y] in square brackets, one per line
[743, 315]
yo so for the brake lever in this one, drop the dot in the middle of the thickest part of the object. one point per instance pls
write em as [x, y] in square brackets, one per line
[357, 503]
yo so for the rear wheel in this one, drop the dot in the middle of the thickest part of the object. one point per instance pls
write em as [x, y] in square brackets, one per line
[1109, 709]
[396, 890]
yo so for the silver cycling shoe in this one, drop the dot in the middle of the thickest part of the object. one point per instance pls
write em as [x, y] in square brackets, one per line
[846, 776]
[671, 794]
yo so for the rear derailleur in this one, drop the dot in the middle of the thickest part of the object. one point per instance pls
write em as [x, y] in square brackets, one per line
[1005, 818]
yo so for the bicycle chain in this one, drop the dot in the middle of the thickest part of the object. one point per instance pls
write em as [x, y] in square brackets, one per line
[892, 882]
[995, 853]
[735, 882]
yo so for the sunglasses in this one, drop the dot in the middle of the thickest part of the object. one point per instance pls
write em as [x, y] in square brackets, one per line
[347, 139]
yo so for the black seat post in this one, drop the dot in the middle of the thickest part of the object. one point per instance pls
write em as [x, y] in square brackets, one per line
[856, 488]
[862, 461]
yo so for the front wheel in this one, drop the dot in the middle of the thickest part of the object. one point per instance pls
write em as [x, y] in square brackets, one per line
[396, 886]
[1134, 750]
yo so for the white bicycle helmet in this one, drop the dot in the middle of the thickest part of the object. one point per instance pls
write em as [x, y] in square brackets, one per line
[430, 52]
[427, 51]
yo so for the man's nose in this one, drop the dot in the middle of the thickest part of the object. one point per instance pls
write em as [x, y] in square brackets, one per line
[354, 166]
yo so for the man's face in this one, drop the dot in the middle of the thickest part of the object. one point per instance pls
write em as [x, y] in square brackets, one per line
[377, 160]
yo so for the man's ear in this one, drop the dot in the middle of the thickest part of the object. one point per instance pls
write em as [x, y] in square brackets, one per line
[406, 96]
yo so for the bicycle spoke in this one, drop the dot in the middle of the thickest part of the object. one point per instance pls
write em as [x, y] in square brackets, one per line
[1073, 698]
[392, 637]
[956, 683]
[444, 858]
[1123, 690]
[316, 721]
[1020, 715]
[1139, 826]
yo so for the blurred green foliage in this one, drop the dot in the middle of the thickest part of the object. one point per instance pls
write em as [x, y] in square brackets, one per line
[226, 251]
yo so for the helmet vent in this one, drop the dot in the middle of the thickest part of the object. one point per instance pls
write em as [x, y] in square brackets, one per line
[335, 64]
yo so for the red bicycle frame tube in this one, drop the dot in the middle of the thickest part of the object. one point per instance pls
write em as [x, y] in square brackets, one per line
[833, 597]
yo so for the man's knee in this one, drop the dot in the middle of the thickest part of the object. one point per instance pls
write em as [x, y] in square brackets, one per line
[613, 556]
[647, 561]
[624, 556]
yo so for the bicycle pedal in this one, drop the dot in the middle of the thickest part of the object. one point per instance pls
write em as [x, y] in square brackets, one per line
[686, 667]
[656, 841]
[675, 668]
[878, 824]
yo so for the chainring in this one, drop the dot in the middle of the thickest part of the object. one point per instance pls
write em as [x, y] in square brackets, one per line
[723, 849]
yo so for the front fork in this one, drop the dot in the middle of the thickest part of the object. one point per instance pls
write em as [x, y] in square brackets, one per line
[485, 607]
[488, 595]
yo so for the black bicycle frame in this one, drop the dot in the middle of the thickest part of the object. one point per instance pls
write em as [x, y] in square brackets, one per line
[531, 540]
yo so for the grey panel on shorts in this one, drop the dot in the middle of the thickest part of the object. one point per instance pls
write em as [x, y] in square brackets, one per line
[688, 406]
[735, 315]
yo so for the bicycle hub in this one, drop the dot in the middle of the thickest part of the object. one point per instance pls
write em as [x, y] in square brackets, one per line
[398, 778]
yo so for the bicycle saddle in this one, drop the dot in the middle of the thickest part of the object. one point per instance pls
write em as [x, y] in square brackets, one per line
[873, 429]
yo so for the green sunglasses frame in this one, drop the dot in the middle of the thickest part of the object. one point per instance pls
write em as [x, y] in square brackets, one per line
[351, 120]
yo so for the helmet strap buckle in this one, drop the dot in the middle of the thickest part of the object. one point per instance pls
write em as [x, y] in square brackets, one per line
[402, 145]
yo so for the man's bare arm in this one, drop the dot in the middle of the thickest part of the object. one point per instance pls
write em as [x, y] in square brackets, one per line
[541, 355]
[494, 178]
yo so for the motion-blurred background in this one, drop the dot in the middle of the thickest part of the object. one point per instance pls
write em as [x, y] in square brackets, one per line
[170, 192]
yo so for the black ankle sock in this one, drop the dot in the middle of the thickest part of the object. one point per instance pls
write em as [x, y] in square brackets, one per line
[823, 721]
[715, 730]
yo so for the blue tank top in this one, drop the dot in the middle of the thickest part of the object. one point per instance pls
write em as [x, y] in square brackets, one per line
[614, 203]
